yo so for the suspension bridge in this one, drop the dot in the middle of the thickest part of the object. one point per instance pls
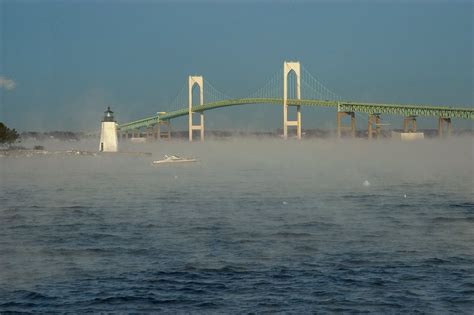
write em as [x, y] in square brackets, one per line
[293, 87]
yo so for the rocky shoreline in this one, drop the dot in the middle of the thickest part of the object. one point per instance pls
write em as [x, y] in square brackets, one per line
[32, 152]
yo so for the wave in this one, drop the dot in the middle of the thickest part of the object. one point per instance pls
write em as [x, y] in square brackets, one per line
[452, 219]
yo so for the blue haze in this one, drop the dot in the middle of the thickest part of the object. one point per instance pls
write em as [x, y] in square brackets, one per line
[70, 60]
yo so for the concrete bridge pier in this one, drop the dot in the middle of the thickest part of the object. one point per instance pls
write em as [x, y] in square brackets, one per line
[407, 121]
[441, 122]
[167, 132]
[195, 80]
[292, 123]
[146, 133]
[351, 128]
[374, 119]
[150, 134]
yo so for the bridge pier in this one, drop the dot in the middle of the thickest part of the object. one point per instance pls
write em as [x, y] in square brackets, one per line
[352, 126]
[373, 119]
[192, 80]
[167, 132]
[441, 122]
[407, 121]
[287, 68]
[148, 133]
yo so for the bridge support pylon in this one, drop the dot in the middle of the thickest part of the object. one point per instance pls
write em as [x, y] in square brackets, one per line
[373, 119]
[351, 128]
[289, 66]
[407, 121]
[149, 134]
[441, 122]
[167, 132]
[191, 82]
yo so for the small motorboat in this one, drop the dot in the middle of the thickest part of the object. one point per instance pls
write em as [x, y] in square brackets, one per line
[174, 159]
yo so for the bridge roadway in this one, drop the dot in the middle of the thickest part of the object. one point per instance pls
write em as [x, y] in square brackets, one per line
[369, 108]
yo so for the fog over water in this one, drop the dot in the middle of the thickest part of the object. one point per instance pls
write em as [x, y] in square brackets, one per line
[258, 224]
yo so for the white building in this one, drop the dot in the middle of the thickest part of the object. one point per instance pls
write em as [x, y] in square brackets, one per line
[108, 133]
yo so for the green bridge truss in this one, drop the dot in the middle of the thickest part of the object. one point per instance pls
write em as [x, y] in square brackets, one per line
[369, 108]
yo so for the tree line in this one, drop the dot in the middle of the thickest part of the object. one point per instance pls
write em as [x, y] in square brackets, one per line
[7, 135]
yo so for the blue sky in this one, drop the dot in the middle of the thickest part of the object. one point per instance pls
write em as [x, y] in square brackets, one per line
[68, 60]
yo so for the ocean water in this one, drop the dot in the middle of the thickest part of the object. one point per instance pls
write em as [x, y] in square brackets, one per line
[257, 225]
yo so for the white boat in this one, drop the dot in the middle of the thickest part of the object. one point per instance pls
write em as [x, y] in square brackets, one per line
[174, 159]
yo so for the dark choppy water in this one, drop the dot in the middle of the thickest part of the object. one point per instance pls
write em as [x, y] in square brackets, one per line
[255, 226]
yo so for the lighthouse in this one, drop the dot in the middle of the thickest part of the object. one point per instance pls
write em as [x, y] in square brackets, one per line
[108, 133]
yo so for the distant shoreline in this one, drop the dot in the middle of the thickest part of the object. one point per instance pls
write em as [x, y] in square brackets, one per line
[217, 134]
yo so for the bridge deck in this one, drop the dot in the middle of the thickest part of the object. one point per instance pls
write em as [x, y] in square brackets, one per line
[370, 108]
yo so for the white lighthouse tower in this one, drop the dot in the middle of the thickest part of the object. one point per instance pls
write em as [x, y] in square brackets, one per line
[108, 133]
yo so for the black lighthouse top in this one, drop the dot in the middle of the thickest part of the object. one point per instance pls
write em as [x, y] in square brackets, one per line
[109, 115]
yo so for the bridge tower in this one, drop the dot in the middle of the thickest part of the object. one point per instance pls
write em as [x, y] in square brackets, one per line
[289, 66]
[191, 82]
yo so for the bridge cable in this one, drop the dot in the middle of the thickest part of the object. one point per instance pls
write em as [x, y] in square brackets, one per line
[320, 90]
[271, 89]
[180, 100]
[211, 94]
